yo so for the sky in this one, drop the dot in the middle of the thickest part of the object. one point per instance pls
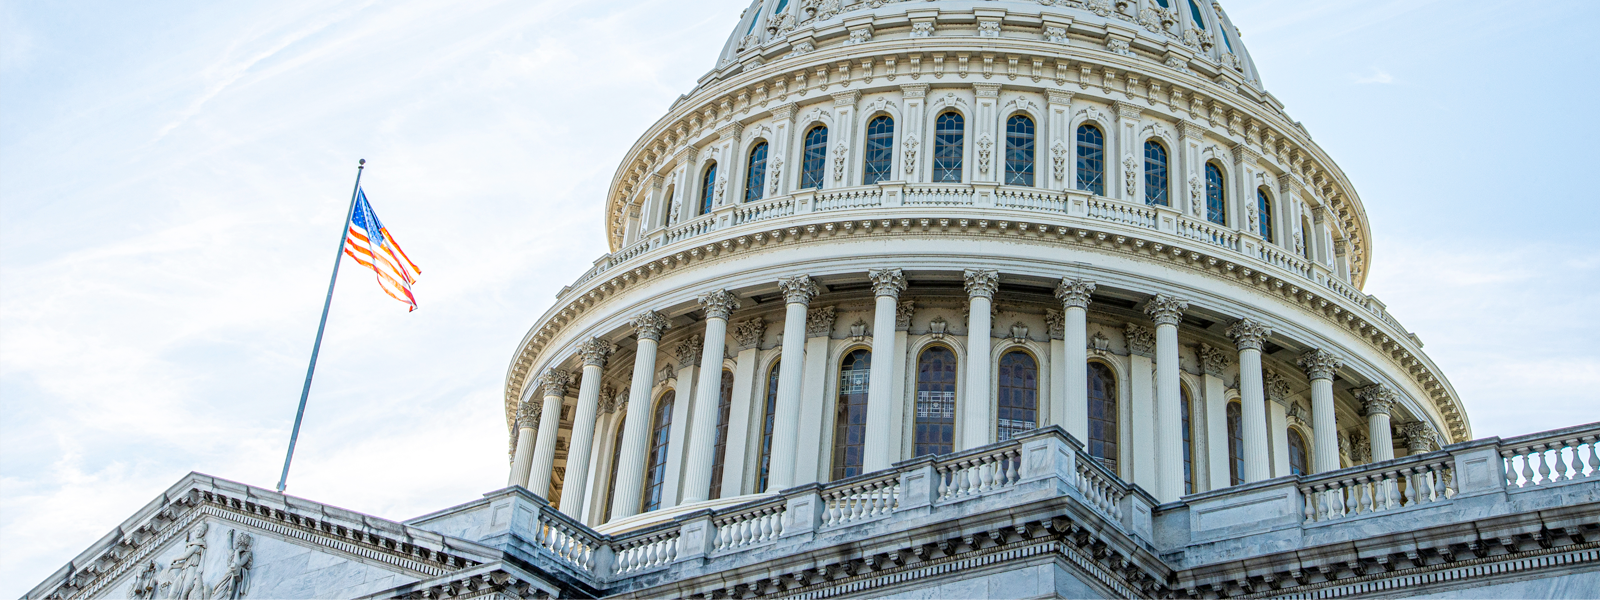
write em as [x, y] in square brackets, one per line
[173, 174]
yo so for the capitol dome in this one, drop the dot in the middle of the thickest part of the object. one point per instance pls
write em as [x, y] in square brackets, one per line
[1156, 258]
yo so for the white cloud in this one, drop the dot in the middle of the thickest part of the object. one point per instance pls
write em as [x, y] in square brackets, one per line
[1376, 76]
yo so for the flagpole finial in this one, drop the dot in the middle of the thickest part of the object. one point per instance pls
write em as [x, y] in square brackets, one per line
[362, 163]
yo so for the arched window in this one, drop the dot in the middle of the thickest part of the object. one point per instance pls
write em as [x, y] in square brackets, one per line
[1019, 394]
[766, 428]
[1194, 11]
[1091, 160]
[755, 178]
[1188, 441]
[708, 189]
[616, 455]
[1103, 415]
[1155, 174]
[949, 141]
[666, 211]
[850, 414]
[816, 158]
[1264, 206]
[936, 401]
[655, 472]
[878, 162]
[720, 448]
[753, 20]
[1019, 150]
[1216, 206]
[1305, 237]
[785, 3]
[1235, 444]
[1297, 453]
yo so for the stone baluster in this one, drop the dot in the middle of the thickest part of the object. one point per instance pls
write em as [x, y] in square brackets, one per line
[625, 501]
[575, 485]
[977, 422]
[703, 420]
[1249, 335]
[1320, 366]
[554, 384]
[886, 285]
[797, 294]
[1166, 311]
[1074, 295]
[527, 428]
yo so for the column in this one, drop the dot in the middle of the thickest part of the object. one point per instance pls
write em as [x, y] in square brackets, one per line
[688, 352]
[989, 144]
[595, 352]
[1193, 171]
[744, 419]
[886, 285]
[527, 427]
[778, 149]
[977, 422]
[842, 138]
[811, 455]
[797, 294]
[1141, 468]
[1378, 399]
[1074, 295]
[1213, 363]
[554, 384]
[1249, 335]
[1320, 366]
[915, 97]
[635, 432]
[1129, 156]
[1060, 141]
[703, 425]
[1166, 311]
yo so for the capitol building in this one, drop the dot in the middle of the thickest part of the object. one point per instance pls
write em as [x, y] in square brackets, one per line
[950, 299]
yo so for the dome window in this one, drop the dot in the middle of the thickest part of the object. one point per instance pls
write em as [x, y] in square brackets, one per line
[1216, 205]
[782, 4]
[1103, 413]
[1019, 151]
[656, 467]
[708, 189]
[936, 401]
[1194, 11]
[948, 143]
[1091, 160]
[1155, 174]
[765, 476]
[878, 163]
[816, 155]
[1264, 205]
[756, 176]
[850, 414]
[1018, 395]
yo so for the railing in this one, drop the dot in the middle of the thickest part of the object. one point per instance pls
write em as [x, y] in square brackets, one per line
[1127, 214]
[1389, 485]
[569, 541]
[1552, 457]
[645, 552]
[1209, 233]
[1030, 200]
[857, 501]
[772, 209]
[1279, 258]
[748, 527]
[691, 229]
[963, 476]
[858, 198]
[1103, 489]
[938, 196]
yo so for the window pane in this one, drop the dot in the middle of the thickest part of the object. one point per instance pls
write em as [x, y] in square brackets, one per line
[850, 414]
[1216, 207]
[756, 177]
[1091, 160]
[616, 455]
[816, 154]
[948, 147]
[720, 448]
[1155, 174]
[1019, 151]
[1235, 444]
[1264, 206]
[1018, 388]
[1188, 442]
[656, 469]
[878, 163]
[708, 192]
[1297, 453]
[1103, 415]
[766, 428]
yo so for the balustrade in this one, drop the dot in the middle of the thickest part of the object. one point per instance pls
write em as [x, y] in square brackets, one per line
[938, 196]
[750, 526]
[858, 198]
[771, 209]
[1209, 233]
[1543, 459]
[645, 552]
[1030, 200]
[1102, 488]
[691, 229]
[1389, 485]
[566, 539]
[1127, 214]
[858, 501]
[965, 476]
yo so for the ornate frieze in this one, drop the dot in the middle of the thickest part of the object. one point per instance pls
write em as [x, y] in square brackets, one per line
[887, 282]
[799, 289]
[1075, 293]
[1320, 364]
[719, 304]
[688, 351]
[595, 352]
[1141, 340]
[649, 325]
[819, 321]
[554, 382]
[981, 283]
[1166, 310]
[747, 333]
[1213, 360]
[1249, 334]
[1376, 399]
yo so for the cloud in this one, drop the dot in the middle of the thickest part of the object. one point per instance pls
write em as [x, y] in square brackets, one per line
[1377, 76]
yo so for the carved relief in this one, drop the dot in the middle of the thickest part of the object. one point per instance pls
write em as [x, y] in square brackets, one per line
[187, 571]
[910, 162]
[1100, 344]
[985, 145]
[144, 586]
[1116, 46]
[1056, 35]
[938, 327]
[839, 158]
[1195, 188]
[819, 321]
[748, 333]
[1277, 387]
[858, 330]
[1130, 175]
[1055, 323]
[1058, 160]
[859, 36]
[235, 582]
[1213, 360]
[688, 351]
[902, 315]
[1019, 332]
[1074, 293]
[921, 30]
[1141, 340]
[775, 167]
[989, 29]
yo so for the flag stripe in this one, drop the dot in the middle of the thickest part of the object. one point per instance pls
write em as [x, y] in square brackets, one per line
[369, 243]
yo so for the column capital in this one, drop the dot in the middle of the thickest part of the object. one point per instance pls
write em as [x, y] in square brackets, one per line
[1166, 310]
[1074, 293]
[528, 414]
[649, 325]
[719, 304]
[618, 398]
[1213, 360]
[1141, 340]
[554, 382]
[785, 112]
[799, 289]
[1055, 323]
[1248, 333]
[914, 90]
[1320, 364]
[1377, 399]
[819, 321]
[846, 98]
[902, 315]
[1061, 97]
[688, 351]
[986, 90]
[981, 282]
[1420, 436]
[595, 352]
[748, 333]
[1277, 387]
[887, 282]
[1128, 110]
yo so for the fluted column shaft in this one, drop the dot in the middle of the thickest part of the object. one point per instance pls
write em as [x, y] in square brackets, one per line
[522, 458]
[701, 451]
[1074, 295]
[631, 457]
[554, 383]
[576, 482]
[1167, 311]
[978, 419]
[887, 285]
[1378, 400]
[797, 294]
[1249, 336]
[1320, 366]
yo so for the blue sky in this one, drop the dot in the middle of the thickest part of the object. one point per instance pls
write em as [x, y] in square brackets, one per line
[172, 176]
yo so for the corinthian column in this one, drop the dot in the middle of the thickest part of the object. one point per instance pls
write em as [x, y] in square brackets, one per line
[595, 353]
[1249, 335]
[554, 383]
[1074, 295]
[977, 421]
[1319, 366]
[887, 285]
[1166, 311]
[1378, 399]
[703, 421]
[630, 458]
[527, 426]
[797, 294]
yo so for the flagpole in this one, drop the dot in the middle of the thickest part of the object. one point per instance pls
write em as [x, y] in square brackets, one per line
[344, 234]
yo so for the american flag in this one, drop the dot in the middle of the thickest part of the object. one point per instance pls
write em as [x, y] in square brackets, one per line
[371, 244]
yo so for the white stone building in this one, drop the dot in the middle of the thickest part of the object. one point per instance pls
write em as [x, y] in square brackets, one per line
[951, 298]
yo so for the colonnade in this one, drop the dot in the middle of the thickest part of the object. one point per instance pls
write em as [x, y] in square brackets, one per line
[537, 426]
